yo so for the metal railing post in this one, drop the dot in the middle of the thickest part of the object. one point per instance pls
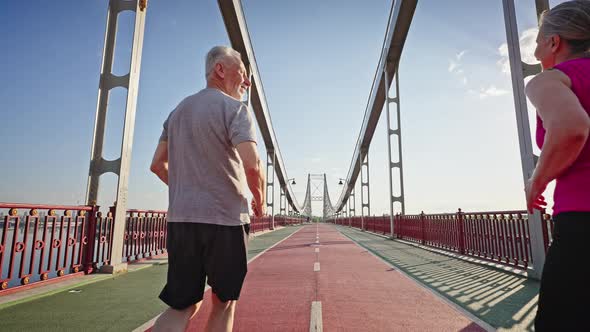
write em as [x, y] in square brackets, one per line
[88, 259]
[422, 228]
[461, 232]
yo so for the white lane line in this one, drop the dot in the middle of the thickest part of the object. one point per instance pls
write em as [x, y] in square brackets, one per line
[151, 322]
[274, 245]
[317, 249]
[315, 324]
[316, 266]
[147, 324]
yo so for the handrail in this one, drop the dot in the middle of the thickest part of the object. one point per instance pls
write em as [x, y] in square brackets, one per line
[5, 205]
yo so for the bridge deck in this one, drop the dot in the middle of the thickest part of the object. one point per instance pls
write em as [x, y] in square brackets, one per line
[506, 301]
[357, 291]
[111, 304]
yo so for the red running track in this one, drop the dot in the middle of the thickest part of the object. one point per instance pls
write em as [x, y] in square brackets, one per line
[358, 292]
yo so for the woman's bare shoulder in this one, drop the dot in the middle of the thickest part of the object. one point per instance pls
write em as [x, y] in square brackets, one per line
[548, 77]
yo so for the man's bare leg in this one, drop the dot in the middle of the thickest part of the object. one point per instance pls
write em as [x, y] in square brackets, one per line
[222, 315]
[173, 320]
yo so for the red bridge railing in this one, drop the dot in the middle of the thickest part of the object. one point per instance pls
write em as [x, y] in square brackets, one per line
[39, 242]
[265, 223]
[288, 220]
[498, 236]
[42, 242]
[145, 234]
[260, 224]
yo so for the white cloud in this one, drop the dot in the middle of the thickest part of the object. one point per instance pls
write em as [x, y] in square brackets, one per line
[455, 63]
[452, 66]
[456, 67]
[491, 91]
[461, 54]
[527, 50]
[504, 62]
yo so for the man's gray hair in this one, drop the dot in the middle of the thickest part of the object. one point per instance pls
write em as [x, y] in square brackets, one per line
[217, 54]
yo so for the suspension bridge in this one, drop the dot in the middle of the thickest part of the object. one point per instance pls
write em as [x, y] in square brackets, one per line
[348, 270]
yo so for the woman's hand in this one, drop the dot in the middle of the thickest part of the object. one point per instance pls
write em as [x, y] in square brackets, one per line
[534, 195]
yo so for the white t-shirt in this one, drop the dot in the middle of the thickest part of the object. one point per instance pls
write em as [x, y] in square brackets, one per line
[205, 172]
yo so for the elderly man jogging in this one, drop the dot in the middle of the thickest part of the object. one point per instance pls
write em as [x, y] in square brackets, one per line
[207, 146]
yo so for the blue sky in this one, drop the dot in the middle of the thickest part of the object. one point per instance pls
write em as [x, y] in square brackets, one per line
[317, 61]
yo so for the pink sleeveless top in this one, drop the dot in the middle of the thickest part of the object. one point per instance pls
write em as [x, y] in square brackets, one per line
[572, 188]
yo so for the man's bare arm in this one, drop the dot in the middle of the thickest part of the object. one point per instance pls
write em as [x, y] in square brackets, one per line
[160, 162]
[254, 175]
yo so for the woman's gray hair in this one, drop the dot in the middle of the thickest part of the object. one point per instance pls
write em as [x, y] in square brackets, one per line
[219, 54]
[571, 21]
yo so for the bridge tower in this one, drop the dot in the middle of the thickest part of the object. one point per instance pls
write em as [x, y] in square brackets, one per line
[109, 81]
[518, 71]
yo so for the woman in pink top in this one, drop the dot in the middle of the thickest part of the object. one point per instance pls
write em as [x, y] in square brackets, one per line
[561, 95]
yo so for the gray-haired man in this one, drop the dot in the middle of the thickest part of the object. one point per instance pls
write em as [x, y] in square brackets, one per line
[207, 146]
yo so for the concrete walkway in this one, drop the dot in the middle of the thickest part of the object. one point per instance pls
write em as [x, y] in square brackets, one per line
[506, 301]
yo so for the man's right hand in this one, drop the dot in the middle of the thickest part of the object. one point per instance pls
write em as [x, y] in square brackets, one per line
[259, 209]
[254, 176]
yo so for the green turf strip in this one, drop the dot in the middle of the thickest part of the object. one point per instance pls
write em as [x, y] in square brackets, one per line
[120, 303]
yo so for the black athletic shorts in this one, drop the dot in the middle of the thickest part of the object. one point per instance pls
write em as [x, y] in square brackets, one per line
[199, 251]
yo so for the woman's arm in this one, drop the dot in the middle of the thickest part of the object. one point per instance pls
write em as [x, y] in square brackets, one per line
[566, 124]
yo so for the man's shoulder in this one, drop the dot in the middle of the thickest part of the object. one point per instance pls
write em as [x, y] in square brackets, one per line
[229, 103]
[213, 97]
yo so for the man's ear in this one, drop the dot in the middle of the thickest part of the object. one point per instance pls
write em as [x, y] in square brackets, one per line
[219, 70]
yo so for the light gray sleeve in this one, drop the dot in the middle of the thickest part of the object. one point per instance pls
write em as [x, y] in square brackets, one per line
[241, 127]
[164, 135]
